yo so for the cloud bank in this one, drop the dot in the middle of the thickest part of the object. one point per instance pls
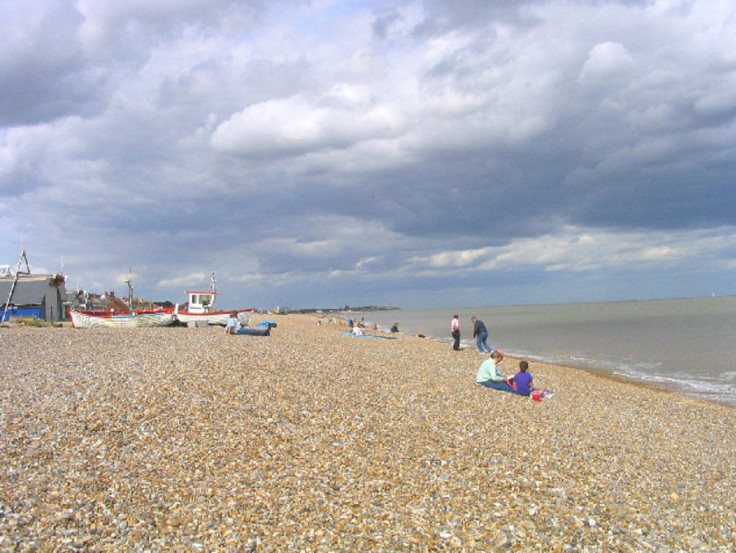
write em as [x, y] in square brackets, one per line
[421, 154]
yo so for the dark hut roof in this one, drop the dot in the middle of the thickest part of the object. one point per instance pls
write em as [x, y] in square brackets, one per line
[28, 290]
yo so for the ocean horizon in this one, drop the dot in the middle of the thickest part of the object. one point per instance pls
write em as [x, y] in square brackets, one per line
[686, 345]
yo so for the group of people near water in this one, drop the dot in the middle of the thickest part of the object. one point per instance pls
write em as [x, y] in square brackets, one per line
[489, 374]
[480, 333]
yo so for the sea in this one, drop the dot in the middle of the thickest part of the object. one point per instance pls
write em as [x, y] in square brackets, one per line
[683, 345]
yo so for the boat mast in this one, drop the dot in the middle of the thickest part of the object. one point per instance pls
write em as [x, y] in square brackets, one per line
[130, 289]
[18, 272]
[213, 283]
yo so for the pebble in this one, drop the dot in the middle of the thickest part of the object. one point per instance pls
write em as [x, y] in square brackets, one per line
[179, 439]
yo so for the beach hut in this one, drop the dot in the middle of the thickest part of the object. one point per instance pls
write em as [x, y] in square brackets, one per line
[41, 296]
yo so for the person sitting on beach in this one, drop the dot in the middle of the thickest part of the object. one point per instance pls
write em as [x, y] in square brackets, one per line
[357, 331]
[395, 328]
[480, 333]
[490, 376]
[522, 381]
[233, 324]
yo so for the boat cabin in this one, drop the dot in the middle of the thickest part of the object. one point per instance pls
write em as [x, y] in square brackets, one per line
[201, 302]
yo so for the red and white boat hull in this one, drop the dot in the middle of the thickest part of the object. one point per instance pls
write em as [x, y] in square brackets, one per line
[213, 318]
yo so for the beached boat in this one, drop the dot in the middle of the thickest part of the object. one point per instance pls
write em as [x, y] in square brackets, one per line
[200, 311]
[83, 318]
[212, 318]
[94, 319]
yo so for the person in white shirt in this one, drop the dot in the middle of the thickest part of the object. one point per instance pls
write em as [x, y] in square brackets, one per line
[455, 331]
[490, 376]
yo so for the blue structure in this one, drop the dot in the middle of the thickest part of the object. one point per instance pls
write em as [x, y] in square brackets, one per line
[41, 296]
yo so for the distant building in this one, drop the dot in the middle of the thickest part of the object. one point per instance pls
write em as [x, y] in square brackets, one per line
[107, 301]
[116, 304]
[40, 296]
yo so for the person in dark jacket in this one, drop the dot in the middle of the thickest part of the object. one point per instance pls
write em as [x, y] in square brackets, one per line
[480, 333]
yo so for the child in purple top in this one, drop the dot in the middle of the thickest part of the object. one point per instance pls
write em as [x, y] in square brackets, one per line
[522, 381]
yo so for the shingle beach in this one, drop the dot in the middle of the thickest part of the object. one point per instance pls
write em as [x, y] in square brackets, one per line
[186, 439]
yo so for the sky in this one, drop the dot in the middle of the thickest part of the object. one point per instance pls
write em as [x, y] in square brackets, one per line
[414, 154]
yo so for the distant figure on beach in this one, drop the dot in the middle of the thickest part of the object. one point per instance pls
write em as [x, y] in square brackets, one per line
[480, 333]
[522, 380]
[357, 331]
[490, 376]
[455, 331]
[395, 328]
[233, 324]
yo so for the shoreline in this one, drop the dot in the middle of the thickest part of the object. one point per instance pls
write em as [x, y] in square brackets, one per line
[599, 373]
[667, 386]
[189, 439]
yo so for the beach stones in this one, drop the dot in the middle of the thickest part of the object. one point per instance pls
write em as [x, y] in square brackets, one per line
[183, 439]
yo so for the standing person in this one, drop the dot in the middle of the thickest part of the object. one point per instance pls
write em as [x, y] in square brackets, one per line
[522, 381]
[455, 331]
[490, 376]
[480, 333]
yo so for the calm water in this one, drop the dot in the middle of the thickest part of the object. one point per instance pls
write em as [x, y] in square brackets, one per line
[686, 345]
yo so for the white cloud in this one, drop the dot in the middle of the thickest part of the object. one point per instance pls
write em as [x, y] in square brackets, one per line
[453, 259]
[190, 280]
[580, 250]
[295, 126]
[607, 64]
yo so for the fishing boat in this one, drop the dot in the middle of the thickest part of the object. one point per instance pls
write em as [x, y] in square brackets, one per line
[84, 318]
[94, 319]
[200, 310]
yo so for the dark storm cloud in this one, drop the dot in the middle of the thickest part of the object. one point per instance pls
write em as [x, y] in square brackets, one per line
[42, 75]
